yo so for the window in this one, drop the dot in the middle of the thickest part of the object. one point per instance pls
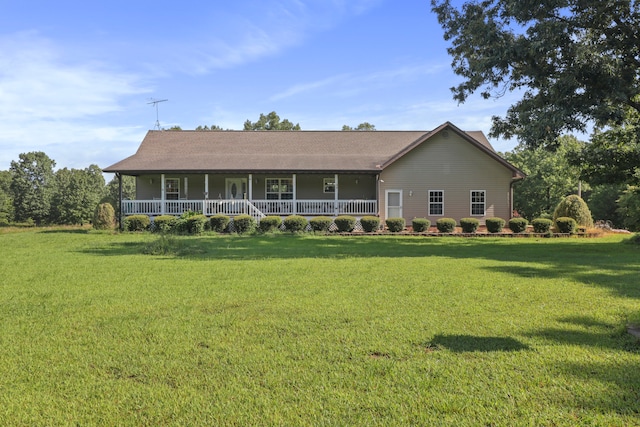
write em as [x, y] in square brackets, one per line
[478, 202]
[172, 188]
[279, 188]
[436, 202]
[329, 185]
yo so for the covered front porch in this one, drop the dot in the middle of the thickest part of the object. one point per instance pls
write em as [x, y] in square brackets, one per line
[257, 195]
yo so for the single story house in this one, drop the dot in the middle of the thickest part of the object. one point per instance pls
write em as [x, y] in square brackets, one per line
[445, 172]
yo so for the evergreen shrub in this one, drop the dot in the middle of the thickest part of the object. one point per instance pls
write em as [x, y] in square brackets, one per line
[104, 217]
[320, 223]
[196, 224]
[395, 225]
[370, 223]
[495, 224]
[295, 223]
[244, 224]
[541, 225]
[219, 223]
[137, 223]
[420, 225]
[566, 225]
[270, 223]
[163, 223]
[574, 207]
[469, 225]
[518, 225]
[446, 225]
[345, 223]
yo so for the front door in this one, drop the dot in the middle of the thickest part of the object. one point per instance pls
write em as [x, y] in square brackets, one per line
[236, 188]
[394, 203]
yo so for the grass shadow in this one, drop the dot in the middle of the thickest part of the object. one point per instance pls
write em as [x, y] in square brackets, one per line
[470, 343]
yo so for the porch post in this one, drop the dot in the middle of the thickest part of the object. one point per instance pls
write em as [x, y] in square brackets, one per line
[335, 195]
[206, 193]
[295, 195]
[162, 194]
[120, 201]
[250, 186]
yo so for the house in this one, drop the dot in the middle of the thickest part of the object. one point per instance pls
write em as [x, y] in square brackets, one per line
[445, 172]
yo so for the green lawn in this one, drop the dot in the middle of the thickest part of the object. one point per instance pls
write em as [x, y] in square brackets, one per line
[304, 330]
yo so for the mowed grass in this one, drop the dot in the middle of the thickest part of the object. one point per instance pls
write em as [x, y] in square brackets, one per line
[318, 331]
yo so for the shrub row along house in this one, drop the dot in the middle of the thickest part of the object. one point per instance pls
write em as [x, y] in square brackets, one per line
[446, 172]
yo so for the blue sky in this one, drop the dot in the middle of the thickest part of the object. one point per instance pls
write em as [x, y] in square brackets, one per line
[76, 77]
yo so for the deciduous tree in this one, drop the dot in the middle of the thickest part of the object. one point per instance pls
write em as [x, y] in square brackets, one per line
[361, 126]
[32, 184]
[76, 195]
[270, 122]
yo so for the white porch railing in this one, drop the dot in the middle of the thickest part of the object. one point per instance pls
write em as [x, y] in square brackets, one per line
[255, 208]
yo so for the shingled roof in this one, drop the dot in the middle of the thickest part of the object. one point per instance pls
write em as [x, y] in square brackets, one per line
[279, 151]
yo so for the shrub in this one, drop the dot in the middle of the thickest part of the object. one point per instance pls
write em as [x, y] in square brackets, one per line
[196, 224]
[295, 223]
[269, 224]
[370, 223]
[574, 207]
[542, 225]
[566, 225]
[495, 225]
[395, 225]
[446, 225]
[163, 223]
[469, 225]
[320, 223]
[518, 225]
[244, 224]
[219, 223]
[137, 223]
[104, 217]
[345, 223]
[420, 225]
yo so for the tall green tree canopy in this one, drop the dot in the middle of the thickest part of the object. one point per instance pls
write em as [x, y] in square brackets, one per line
[270, 122]
[32, 186]
[361, 126]
[575, 62]
[76, 195]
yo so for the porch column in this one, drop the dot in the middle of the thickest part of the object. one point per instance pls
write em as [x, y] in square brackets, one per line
[206, 193]
[162, 190]
[295, 195]
[250, 186]
[335, 195]
[119, 176]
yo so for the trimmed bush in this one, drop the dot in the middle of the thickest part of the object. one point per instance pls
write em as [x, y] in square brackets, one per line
[219, 223]
[196, 224]
[469, 225]
[137, 223]
[542, 225]
[269, 224]
[320, 223]
[163, 223]
[446, 225]
[345, 223]
[244, 224]
[295, 223]
[518, 225]
[574, 207]
[495, 225]
[104, 217]
[566, 225]
[395, 225]
[370, 223]
[420, 225]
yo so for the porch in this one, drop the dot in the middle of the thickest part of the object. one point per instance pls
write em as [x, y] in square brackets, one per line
[256, 208]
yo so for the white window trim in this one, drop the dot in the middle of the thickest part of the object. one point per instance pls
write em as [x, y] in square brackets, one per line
[280, 192]
[484, 202]
[166, 187]
[429, 202]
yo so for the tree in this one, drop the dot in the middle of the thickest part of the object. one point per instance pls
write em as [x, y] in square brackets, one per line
[629, 208]
[602, 201]
[575, 62]
[207, 128]
[270, 122]
[361, 126]
[550, 177]
[32, 186]
[77, 193]
[6, 200]
[113, 190]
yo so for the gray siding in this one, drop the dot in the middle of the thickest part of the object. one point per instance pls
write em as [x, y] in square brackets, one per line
[449, 163]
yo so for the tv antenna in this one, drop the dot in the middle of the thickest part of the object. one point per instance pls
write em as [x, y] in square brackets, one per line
[155, 103]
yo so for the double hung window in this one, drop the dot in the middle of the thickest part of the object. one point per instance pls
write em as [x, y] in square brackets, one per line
[279, 188]
[436, 202]
[478, 202]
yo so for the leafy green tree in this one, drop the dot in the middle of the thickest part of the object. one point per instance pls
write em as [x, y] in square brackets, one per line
[361, 126]
[602, 201]
[113, 190]
[32, 184]
[550, 177]
[207, 128]
[574, 62]
[629, 208]
[77, 193]
[6, 200]
[270, 122]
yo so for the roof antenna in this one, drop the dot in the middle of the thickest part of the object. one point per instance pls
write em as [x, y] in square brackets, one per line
[155, 103]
